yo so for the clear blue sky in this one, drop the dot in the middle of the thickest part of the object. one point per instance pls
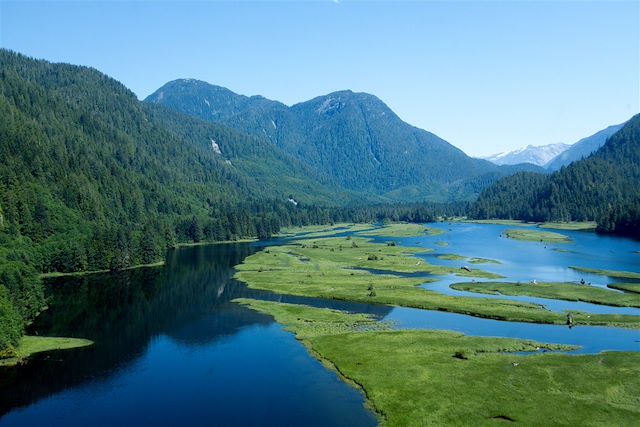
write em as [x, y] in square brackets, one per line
[487, 76]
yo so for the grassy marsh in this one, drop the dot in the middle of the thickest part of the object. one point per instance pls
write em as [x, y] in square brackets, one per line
[626, 287]
[322, 230]
[451, 257]
[446, 378]
[483, 261]
[608, 273]
[401, 229]
[34, 344]
[537, 236]
[332, 268]
[500, 222]
[561, 291]
[575, 226]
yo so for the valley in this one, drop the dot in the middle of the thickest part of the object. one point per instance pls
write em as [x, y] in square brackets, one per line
[337, 247]
[333, 286]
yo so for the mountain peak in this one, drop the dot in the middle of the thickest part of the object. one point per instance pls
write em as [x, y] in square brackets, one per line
[537, 155]
[352, 137]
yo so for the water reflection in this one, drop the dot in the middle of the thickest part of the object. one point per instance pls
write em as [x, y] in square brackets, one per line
[159, 334]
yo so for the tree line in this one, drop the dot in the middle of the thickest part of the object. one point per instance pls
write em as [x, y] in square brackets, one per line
[603, 187]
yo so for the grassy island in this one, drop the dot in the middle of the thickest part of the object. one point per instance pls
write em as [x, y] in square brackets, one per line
[347, 269]
[483, 261]
[529, 235]
[311, 231]
[561, 291]
[415, 378]
[626, 287]
[608, 273]
[574, 226]
[402, 229]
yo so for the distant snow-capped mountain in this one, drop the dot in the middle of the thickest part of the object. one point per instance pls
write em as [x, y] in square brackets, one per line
[540, 155]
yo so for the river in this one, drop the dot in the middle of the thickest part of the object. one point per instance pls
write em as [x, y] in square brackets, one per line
[171, 348]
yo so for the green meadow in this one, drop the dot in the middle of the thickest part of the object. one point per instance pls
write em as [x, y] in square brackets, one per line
[339, 268]
[413, 378]
[561, 291]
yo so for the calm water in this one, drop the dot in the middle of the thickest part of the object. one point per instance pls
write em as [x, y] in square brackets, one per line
[528, 261]
[172, 349]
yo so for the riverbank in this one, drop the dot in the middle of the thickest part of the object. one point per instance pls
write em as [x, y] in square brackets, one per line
[626, 287]
[573, 226]
[402, 229]
[537, 236]
[309, 231]
[213, 242]
[357, 269]
[438, 377]
[30, 345]
[85, 273]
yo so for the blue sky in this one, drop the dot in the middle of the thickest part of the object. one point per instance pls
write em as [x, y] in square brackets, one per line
[487, 76]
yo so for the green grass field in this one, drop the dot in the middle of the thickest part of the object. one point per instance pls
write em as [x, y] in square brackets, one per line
[402, 229]
[627, 287]
[451, 257]
[537, 236]
[415, 378]
[483, 261]
[322, 230]
[500, 222]
[332, 268]
[31, 344]
[575, 226]
[609, 273]
[562, 291]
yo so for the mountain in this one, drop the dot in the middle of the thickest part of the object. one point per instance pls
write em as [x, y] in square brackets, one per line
[537, 155]
[352, 137]
[604, 187]
[272, 172]
[582, 148]
[91, 178]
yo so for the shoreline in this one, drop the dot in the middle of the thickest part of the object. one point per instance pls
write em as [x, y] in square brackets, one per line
[309, 268]
[360, 355]
[30, 345]
[56, 274]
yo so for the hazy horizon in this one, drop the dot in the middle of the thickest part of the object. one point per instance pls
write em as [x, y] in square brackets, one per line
[488, 77]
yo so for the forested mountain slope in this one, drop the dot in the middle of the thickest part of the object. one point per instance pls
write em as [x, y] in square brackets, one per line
[603, 187]
[352, 137]
[91, 178]
[272, 173]
[582, 148]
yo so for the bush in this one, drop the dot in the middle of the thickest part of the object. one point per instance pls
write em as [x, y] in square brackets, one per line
[460, 355]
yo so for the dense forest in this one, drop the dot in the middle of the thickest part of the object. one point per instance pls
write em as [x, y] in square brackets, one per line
[384, 155]
[602, 187]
